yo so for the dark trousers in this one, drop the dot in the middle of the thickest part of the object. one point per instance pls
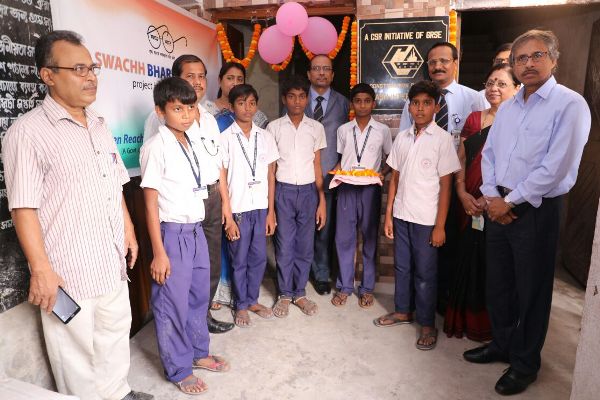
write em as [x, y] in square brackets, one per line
[448, 254]
[295, 206]
[358, 207]
[520, 275]
[248, 257]
[213, 230]
[321, 266]
[415, 271]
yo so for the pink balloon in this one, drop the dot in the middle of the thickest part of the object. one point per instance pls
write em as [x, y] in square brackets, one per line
[291, 19]
[274, 46]
[320, 36]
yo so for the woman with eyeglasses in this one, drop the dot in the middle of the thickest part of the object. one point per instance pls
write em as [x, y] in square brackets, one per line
[230, 75]
[466, 311]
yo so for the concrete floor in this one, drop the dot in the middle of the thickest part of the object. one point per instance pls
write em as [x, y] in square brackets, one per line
[340, 354]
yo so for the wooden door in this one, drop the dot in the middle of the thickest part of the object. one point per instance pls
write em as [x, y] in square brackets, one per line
[578, 235]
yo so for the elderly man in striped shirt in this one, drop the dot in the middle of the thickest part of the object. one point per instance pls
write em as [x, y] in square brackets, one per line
[64, 179]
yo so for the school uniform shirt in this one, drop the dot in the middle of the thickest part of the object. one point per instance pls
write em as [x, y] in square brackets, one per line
[461, 102]
[247, 192]
[208, 135]
[421, 161]
[374, 140]
[297, 147]
[166, 169]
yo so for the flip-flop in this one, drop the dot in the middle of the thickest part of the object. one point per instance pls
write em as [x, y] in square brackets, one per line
[264, 312]
[390, 317]
[281, 309]
[366, 300]
[342, 298]
[247, 318]
[433, 334]
[310, 308]
[189, 382]
[219, 364]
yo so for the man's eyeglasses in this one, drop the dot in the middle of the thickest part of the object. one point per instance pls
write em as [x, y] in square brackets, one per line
[500, 84]
[80, 70]
[536, 57]
[435, 61]
[318, 68]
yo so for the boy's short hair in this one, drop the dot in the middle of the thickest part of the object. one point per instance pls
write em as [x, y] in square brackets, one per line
[362, 88]
[172, 89]
[427, 87]
[244, 90]
[295, 82]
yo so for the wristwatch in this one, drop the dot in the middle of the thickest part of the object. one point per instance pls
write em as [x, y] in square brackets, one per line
[509, 203]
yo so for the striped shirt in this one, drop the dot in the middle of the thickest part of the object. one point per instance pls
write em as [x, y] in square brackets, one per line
[73, 176]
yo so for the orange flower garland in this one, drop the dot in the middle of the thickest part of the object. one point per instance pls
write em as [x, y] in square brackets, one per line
[341, 37]
[308, 53]
[353, 59]
[355, 172]
[452, 27]
[284, 64]
[226, 48]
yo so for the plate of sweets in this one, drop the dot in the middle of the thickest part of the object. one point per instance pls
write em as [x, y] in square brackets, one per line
[355, 177]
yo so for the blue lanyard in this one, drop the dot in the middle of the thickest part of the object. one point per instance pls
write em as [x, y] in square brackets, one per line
[251, 165]
[196, 175]
[362, 151]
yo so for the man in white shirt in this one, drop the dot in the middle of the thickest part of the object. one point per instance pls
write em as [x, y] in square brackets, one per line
[193, 70]
[299, 199]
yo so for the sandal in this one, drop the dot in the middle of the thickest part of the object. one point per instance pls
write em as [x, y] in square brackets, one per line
[366, 300]
[281, 309]
[339, 299]
[215, 306]
[308, 307]
[261, 311]
[218, 364]
[390, 317]
[242, 319]
[429, 335]
[190, 383]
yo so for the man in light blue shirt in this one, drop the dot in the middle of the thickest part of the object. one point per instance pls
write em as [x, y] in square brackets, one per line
[530, 160]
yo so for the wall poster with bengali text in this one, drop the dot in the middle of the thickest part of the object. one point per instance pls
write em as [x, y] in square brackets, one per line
[392, 55]
[22, 22]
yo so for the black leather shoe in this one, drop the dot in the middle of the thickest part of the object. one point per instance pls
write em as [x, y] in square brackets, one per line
[322, 288]
[483, 355]
[215, 326]
[513, 382]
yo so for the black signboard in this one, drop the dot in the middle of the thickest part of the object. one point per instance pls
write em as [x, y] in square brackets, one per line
[22, 22]
[392, 55]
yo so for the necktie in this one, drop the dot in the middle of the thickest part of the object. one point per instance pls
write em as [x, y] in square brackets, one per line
[318, 113]
[441, 118]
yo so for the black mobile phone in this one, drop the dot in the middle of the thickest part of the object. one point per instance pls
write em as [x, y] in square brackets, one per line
[65, 307]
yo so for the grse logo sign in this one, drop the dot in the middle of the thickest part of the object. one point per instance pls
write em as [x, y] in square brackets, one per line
[160, 36]
[402, 61]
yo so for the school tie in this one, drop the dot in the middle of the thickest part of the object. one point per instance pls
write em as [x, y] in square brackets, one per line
[318, 113]
[441, 118]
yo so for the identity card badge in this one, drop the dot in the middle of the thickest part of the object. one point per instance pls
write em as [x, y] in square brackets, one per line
[358, 168]
[252, 184]
[477, 223]
[456, 138]
[201, 192]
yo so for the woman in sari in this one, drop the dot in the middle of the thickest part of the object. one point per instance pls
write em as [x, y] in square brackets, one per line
[466, 312]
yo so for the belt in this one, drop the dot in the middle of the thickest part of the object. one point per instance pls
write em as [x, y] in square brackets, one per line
[504, 191]
[213, 187]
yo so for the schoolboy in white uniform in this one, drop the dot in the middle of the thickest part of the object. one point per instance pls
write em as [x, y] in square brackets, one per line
[249, 155]
[299, 197]
[361, 144]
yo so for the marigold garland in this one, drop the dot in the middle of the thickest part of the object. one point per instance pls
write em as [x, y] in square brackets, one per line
[341, 37]
[353, 59]
[308, 53]
[226, 48]
[452, 27]
[284, 64]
